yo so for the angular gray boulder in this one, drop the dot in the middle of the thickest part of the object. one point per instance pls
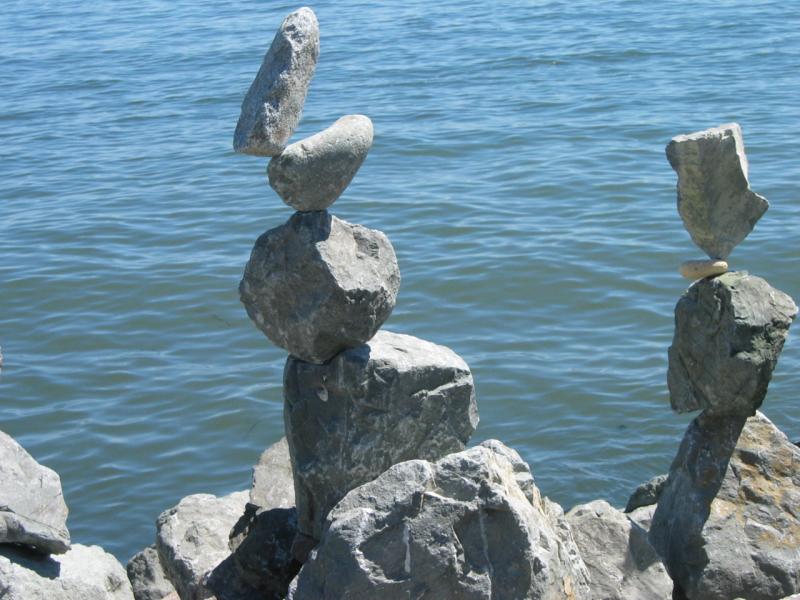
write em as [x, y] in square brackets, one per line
[621, 562]
[273, 482]
[714, 198]
[274, 103]
[318, 285]
[392, 399]
[729, 332]
[148, 579]
[458, 528]
[312, 173]
[647, 493]
[727, 523]
[32, 507]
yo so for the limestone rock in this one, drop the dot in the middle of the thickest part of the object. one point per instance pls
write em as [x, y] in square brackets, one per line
[147, 576]
[274, 103]
[729, 332]
[727, 523]
[192, 539]
[643, 516]
[81, 573]
[698, 269]
[714, 198]
[647, 493]
[312, 173]
[621, 562]
[273, 483]
[32, 507]
[459, 528]
[392, 399]
[318, 285]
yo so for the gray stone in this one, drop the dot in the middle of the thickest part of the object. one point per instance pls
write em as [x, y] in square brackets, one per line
[643, 516]
[458, 529]
[273, 483]
[729, 332]
[318, 285]
[81, 573]
[312, 173]
[147, 576]
[392, 399]
[274, 103]
[32, 507]
[727, 523]
[647, 493]
[714, 198]
[621, 562]
[192, 539]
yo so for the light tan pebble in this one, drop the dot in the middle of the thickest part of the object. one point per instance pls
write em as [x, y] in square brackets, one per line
[698, 269]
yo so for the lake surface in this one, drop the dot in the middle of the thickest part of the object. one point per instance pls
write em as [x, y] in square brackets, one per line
[518, 169]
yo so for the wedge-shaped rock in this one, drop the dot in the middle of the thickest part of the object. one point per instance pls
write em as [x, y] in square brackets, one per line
[32, 507]
[318, 285]
[727, 523]
[312, 173]
[148, 578]
[729, 332]
[455, 529]
[621, 562]
[273, 483]
[274, 103]
[392, 399]
[647, 493]
[714, 198]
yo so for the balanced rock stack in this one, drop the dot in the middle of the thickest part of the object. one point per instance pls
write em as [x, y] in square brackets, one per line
[726, 524]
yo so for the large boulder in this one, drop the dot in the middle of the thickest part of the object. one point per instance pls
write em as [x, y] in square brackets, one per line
[729, 332]
[392, 399]
[274, 103]
[32, 507]
[148, 579]
[621, 562]
[714, 197]
[273, 482]
[727, 523]
[458, 528]
[82, 573]
[318, 285]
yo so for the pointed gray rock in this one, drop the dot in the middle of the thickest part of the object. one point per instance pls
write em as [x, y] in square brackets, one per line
[273, 483]
[147, 576]
[274, 103]
[312, 173]
[714, 198]
[318, 285]
[647, 493]
[729, 332]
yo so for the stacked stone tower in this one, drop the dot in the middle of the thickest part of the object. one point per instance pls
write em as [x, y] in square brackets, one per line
[727, 523]
[356, 400]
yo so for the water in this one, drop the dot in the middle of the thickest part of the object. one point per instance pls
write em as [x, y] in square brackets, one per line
[518, 169]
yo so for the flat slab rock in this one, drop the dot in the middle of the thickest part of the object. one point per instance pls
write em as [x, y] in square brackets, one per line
[318, 285]
[729, 332]
[274, 103]
[458, 528]
[727, 523]
[392, 399]
[273, 481]
[714, 198]
[32, 508]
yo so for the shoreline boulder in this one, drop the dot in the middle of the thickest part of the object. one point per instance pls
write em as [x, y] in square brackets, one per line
[273, 482]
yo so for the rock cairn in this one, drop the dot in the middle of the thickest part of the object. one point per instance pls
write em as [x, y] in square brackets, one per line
[726, 523]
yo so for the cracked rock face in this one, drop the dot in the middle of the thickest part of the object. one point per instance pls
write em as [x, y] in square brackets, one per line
[455, 529]
[318, 285]
[729, 332]
[392, 399]
[714, 198]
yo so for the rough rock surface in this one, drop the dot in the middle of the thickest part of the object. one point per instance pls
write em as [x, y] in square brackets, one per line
[147, 576]
[728, 520]
[729, 332]
[318, 285]
[274, 103]
[273, 483]
[312, 173]
[714, 198]
[32, 507]
[643, 516]
[460, 528]
[621, 562]
[393, 399]
[192, 539]
[82, 573]
[647, 493]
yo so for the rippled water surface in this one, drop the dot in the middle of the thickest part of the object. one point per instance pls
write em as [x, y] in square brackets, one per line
[518, 169]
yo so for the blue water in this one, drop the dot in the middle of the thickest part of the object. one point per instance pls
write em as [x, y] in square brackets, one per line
[518, 169]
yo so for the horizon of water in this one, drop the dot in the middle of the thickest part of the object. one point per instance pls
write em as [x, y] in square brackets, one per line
[518, 169]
